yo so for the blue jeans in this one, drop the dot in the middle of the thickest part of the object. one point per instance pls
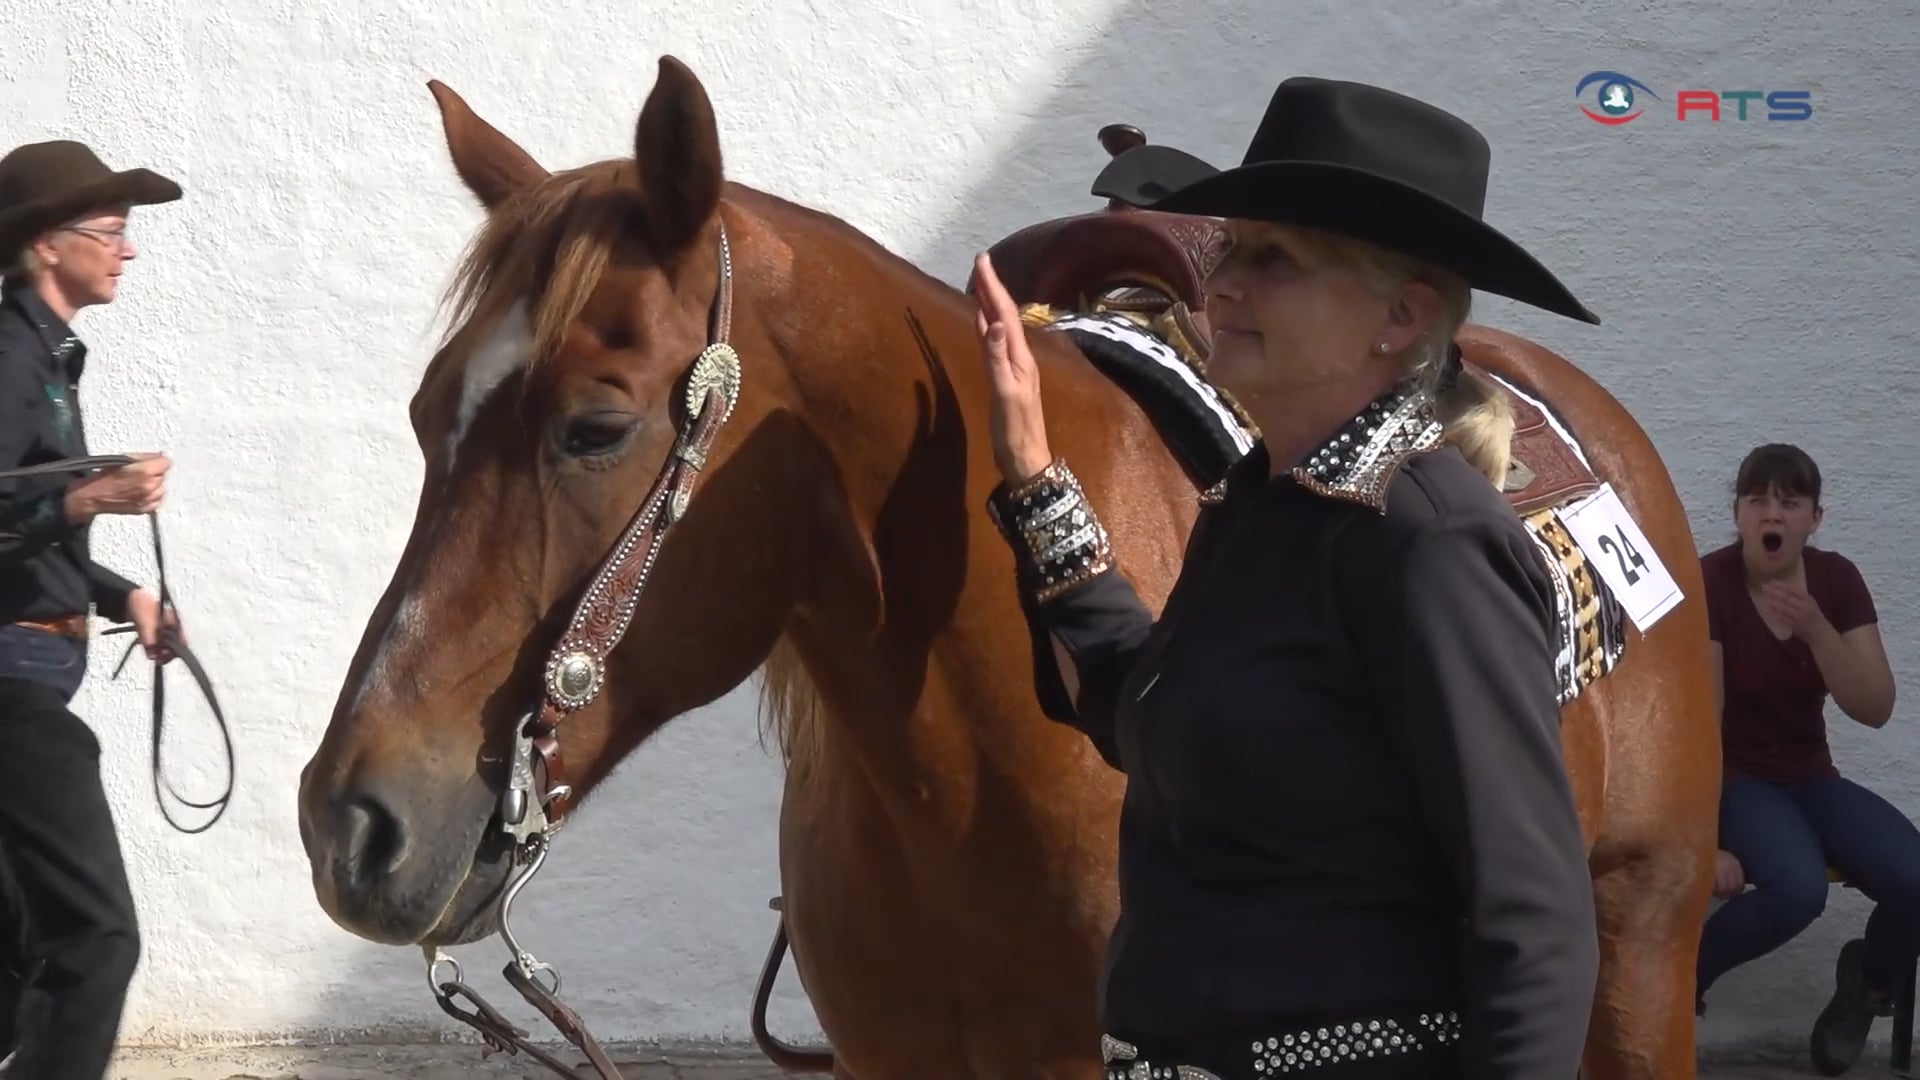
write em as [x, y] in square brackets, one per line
[1785, 836]
[44, 658]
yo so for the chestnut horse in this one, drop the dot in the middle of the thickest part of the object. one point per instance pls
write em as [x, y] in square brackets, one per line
[947, 854]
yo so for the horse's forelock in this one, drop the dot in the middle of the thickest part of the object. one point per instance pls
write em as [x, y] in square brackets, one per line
[549, 244]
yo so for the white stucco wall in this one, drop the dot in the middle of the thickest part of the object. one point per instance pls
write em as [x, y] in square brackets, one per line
[1753, 279]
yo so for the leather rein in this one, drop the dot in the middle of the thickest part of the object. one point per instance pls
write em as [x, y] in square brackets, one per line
[169, 639]
[537, 796]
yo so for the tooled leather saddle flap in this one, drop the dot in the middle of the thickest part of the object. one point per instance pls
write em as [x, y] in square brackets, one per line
[1546, 470]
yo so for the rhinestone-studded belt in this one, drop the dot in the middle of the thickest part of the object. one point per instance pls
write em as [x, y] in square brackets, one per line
[1300, 1050]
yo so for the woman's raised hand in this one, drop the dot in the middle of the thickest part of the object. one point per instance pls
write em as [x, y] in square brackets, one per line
[1019, 427]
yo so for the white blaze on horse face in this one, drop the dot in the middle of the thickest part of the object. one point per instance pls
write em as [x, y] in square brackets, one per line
[403, 629]
[507, 350]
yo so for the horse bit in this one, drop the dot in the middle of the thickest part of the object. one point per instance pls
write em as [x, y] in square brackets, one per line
[169, 639]
[536, 796]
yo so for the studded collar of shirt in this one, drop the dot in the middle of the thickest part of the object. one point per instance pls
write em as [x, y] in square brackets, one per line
[63, 345]
[1358, 462]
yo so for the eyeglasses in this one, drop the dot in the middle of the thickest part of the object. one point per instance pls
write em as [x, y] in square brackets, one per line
[113, 238]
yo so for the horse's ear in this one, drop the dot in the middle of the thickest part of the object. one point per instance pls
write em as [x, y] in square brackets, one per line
[677, 146]
[492, 166]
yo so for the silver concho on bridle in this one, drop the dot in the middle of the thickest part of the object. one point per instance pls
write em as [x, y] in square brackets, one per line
[716, 366]
[574, 679]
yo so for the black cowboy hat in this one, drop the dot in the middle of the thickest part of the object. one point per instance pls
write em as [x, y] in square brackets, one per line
[1361, 162]
[46, 184]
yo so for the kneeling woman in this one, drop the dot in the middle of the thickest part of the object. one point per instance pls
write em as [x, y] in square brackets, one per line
[1349, 845]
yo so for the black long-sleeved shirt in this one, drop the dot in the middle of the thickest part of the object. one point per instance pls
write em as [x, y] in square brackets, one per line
[1344, 784]
[46, 568]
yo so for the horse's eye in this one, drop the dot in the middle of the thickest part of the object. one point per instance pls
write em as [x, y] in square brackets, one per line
[597, 433]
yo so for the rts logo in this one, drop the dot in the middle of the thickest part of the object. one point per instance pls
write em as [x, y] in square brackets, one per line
[1616, 101]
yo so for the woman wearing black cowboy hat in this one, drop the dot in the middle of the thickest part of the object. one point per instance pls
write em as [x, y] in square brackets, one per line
[63, 244]
[1349, 847]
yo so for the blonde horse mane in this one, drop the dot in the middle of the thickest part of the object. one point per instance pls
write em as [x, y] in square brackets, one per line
[792, 713]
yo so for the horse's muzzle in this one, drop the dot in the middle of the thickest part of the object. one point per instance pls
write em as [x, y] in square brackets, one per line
[404, 864]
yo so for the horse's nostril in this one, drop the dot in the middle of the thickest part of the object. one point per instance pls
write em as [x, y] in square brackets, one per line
[375, 841]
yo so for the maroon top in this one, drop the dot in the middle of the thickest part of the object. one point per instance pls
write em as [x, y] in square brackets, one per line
[1775, 726]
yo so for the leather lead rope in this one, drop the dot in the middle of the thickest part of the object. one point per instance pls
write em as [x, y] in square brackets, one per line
[169, 640]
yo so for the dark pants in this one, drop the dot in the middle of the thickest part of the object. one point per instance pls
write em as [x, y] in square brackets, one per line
[71, 930]
[1785, 837]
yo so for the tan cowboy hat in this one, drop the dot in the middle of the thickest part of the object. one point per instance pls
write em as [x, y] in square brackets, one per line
[46, 184]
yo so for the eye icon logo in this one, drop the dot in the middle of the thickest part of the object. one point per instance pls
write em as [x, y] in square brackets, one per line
[1616, 97]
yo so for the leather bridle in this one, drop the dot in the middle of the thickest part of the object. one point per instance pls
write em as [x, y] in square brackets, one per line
[537, 796]
[169, 639]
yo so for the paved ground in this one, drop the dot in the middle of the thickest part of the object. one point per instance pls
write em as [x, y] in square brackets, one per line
[463, 1062]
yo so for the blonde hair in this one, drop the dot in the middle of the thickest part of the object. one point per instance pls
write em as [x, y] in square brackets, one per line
[1476, 414]
[22, 266]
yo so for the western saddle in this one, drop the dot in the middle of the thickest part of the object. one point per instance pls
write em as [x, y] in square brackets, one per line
[1118, 259]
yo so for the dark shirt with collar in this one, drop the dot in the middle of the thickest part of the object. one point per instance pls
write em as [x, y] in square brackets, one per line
[46, 569]
[1345, 792]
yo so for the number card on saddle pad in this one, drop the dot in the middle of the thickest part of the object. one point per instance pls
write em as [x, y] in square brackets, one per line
[1591, 627]
[1604, 530]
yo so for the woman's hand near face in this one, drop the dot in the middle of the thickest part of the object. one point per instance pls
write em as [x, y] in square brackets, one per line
[1019, 429]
